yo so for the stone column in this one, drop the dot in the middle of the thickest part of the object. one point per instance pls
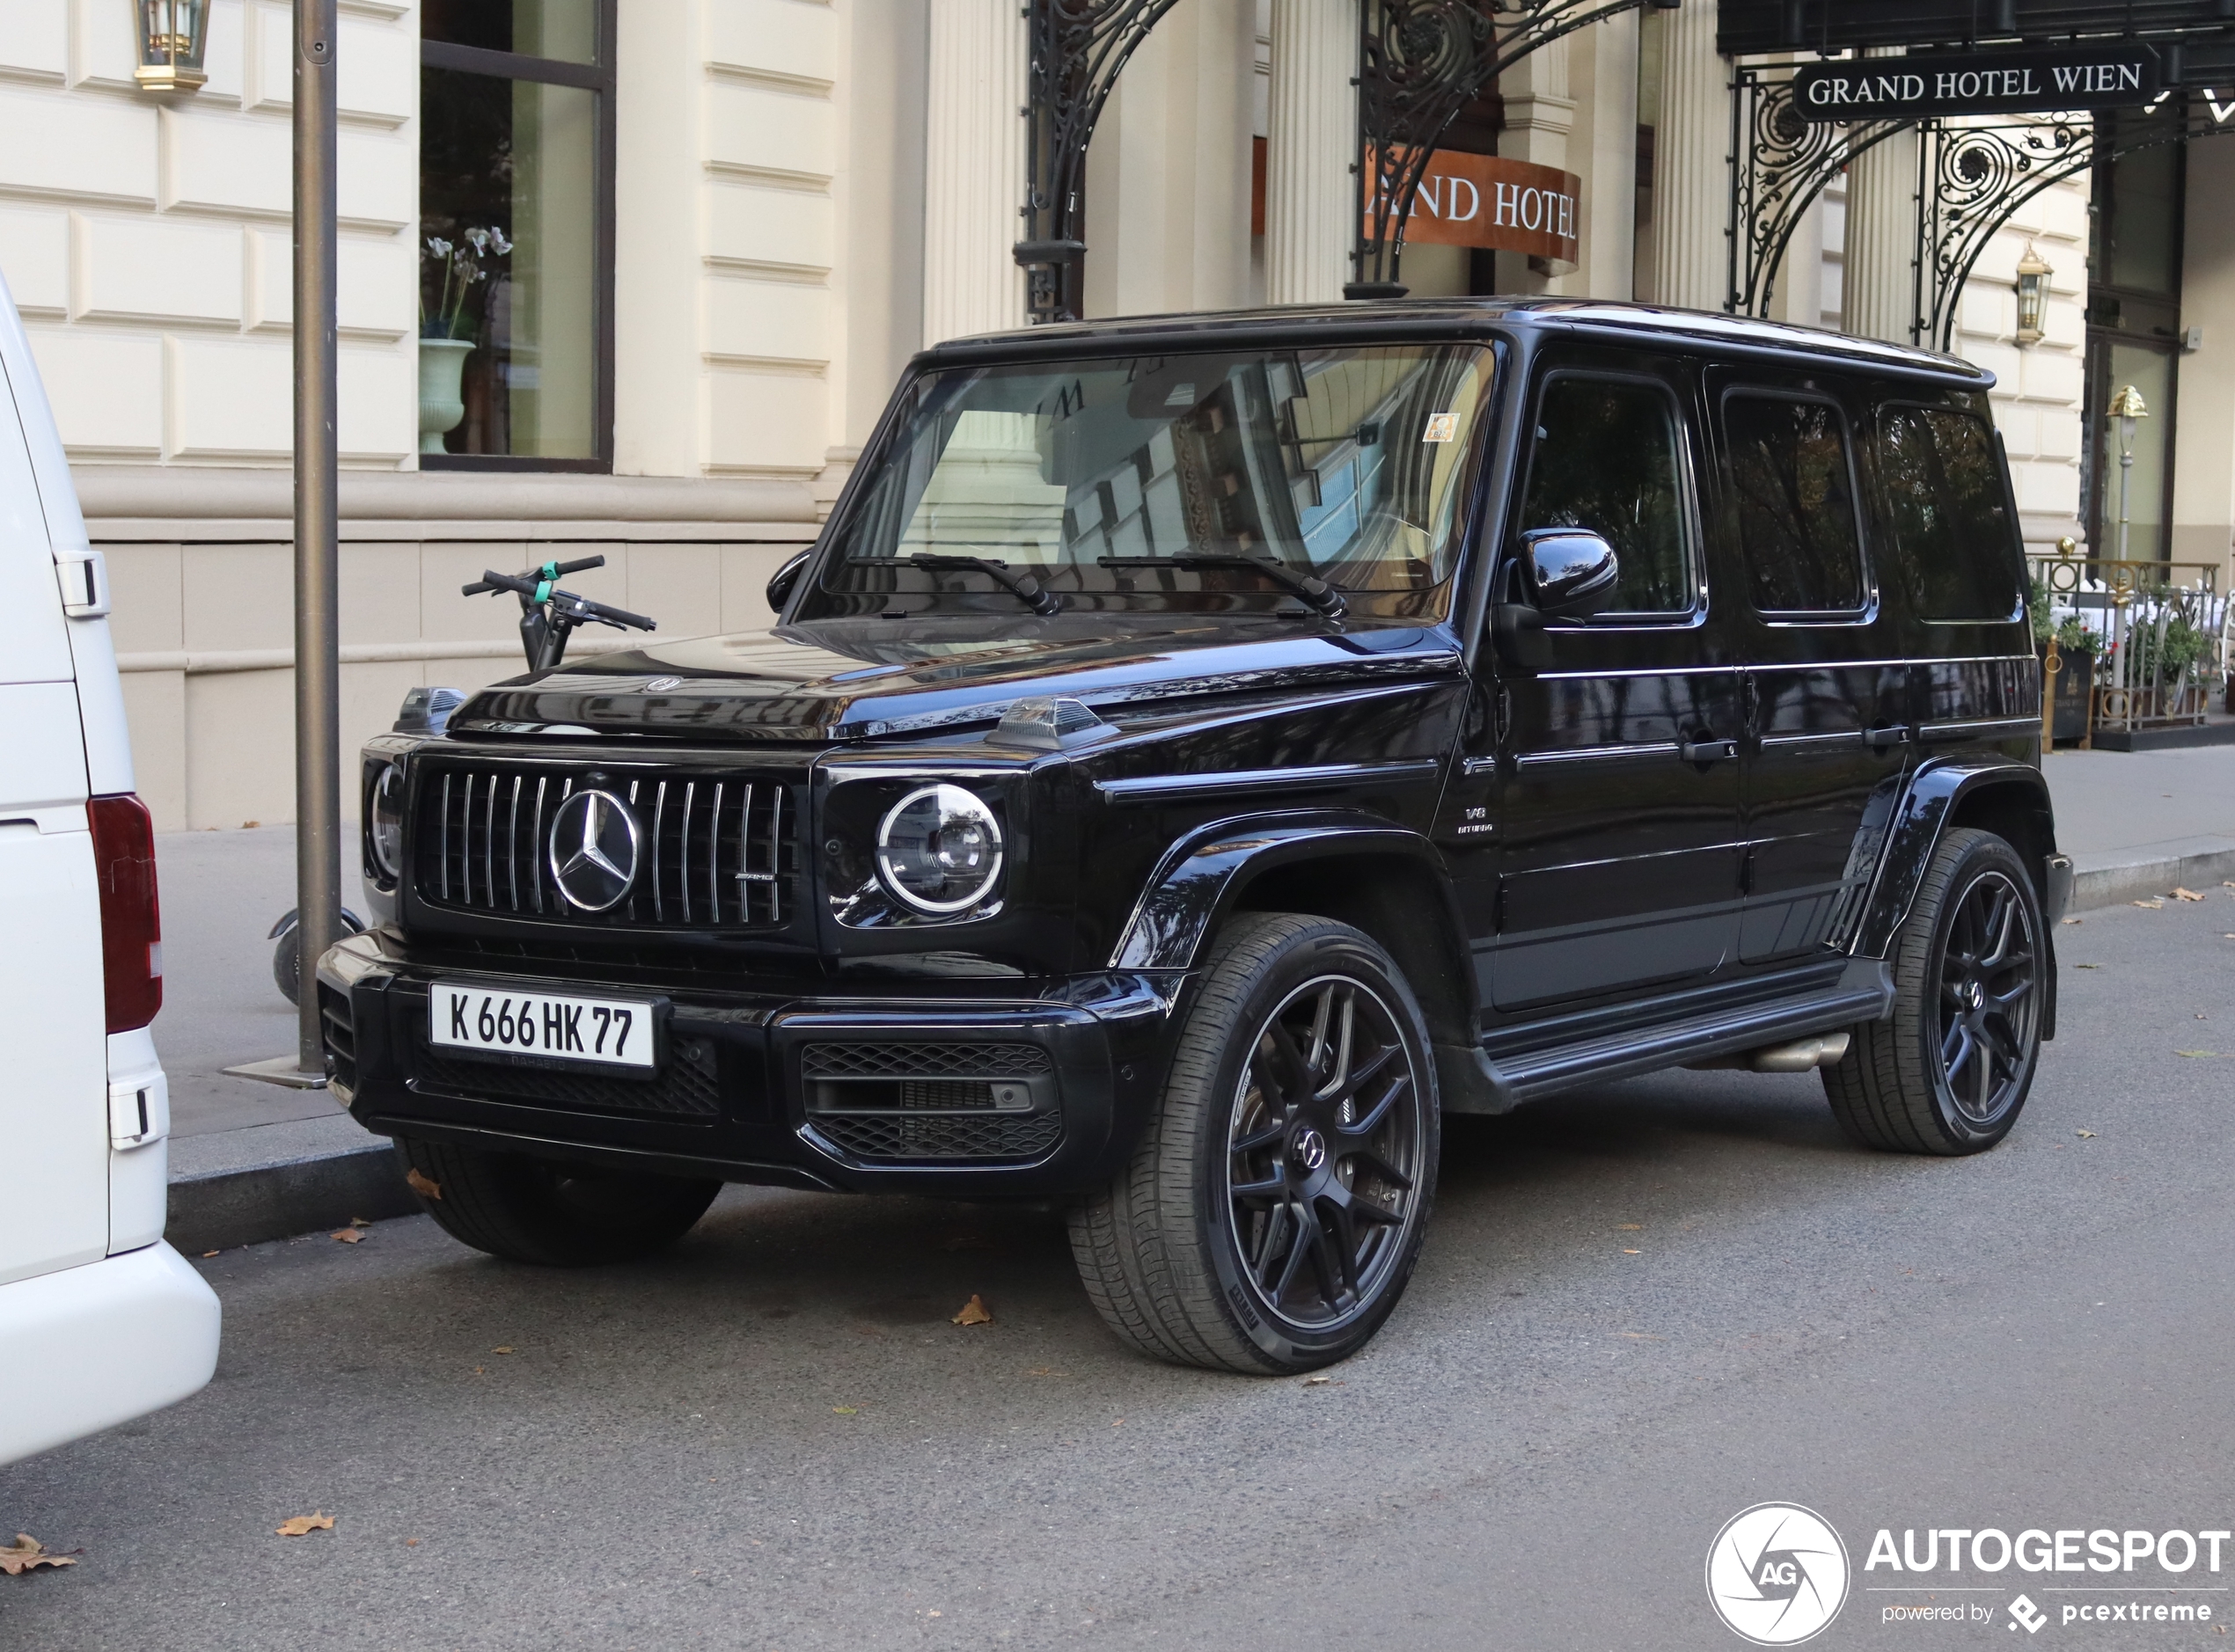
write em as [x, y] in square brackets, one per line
[973, 169]
[1539, 115]
[1312, 196]
[1877, 283]
[1691, 164]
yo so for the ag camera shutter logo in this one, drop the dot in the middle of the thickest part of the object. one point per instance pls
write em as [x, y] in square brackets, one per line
[1776, 1573]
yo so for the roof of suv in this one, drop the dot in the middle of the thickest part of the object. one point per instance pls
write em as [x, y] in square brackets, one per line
[1464, 318]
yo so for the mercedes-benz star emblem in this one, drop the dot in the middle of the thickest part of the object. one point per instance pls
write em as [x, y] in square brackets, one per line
[1311, 1150]
[595, 842]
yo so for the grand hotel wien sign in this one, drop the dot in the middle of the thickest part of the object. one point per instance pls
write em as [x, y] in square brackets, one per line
[2117, 75]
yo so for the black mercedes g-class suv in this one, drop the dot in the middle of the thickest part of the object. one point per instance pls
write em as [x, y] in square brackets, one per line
[1202, 751]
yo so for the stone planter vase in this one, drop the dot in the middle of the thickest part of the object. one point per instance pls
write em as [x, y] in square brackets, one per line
[441, 403]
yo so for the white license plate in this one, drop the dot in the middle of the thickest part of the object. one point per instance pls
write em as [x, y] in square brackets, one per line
[610, 1032]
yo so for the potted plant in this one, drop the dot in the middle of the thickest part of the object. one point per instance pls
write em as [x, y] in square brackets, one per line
[446, 337]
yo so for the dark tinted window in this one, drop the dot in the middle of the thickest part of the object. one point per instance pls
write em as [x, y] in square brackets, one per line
[1607, 460]
[1944, 501]
[1796, 503]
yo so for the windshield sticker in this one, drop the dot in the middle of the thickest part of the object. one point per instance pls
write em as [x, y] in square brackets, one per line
[1441, 428]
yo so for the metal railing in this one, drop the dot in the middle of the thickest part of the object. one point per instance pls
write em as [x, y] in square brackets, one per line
[2161, 636]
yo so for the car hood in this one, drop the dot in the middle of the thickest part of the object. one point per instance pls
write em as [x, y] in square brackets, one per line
[860, 680]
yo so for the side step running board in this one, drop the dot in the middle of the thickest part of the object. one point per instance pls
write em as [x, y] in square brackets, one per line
[1864, 992]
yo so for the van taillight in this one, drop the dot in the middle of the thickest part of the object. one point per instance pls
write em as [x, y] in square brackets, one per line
[131, 927]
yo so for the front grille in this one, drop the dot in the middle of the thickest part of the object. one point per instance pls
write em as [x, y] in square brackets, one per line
[922, 1061]
[721, 849]
[340, 1029]
[886, 1138]
[689, 1084]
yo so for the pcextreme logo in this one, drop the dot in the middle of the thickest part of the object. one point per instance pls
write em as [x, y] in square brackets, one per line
[1777, 1574]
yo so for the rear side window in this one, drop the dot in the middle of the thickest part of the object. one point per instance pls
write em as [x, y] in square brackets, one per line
[1795, 488]
[1944, 506]
[1606, 459]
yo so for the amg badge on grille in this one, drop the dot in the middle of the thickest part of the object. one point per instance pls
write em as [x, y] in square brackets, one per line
[595, 847]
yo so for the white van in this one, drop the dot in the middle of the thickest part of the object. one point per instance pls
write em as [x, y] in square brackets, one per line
[99, 1319]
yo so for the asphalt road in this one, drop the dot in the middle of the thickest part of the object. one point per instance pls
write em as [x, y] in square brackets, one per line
[775, 1437]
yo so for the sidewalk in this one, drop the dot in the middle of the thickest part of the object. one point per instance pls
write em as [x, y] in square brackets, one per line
[252, 1161]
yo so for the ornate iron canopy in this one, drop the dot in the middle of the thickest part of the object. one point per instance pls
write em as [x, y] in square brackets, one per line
[1078, 49]
[1420, 62]
[1972, 176]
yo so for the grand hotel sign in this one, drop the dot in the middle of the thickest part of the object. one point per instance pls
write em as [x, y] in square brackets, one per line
[2114, 76]
[1488, 200]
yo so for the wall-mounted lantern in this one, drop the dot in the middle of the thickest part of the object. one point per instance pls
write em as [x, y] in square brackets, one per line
[2033, 295]
[173, 36]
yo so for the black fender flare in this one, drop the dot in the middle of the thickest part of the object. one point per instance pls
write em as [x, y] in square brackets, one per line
[1929, 803]
[1195, 883]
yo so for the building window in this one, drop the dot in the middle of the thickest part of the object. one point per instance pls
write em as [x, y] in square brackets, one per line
[515, 203]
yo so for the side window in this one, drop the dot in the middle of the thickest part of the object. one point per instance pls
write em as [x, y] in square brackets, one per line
[1944, 504]
[1606, 459]
[1796, 503]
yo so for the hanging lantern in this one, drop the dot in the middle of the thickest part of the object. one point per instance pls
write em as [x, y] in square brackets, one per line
[2033, 295]
[174, 34]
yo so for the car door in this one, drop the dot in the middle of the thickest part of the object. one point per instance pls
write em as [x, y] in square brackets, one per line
[54, 1090]
[1827, 676]
[1615, 787]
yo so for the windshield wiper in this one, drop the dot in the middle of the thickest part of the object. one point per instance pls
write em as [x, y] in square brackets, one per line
[1023, 586]
[1321, 595]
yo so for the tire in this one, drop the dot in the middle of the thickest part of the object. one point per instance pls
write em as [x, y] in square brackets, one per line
[553, 1214]
[1272, 1213]
[1949, 1071]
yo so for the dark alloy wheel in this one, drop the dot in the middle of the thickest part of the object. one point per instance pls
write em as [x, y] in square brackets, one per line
[1324, 1154]
[1949, 1071]
[1273, 1210]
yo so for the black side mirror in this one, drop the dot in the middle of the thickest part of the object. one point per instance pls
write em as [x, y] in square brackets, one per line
[780, 582]
[1569, 573]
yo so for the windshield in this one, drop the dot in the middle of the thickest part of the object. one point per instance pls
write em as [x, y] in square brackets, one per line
[1088, 479]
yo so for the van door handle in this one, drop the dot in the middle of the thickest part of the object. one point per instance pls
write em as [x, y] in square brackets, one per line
[1706, 750]
[1881, 739]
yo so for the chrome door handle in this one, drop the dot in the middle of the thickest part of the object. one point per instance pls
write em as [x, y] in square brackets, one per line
[1706, 750]
[1880, 739]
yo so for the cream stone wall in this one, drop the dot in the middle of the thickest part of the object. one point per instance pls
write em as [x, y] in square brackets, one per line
[147, 238]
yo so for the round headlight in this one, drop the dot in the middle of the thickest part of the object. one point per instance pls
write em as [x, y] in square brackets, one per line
[939, 849]
[385, 822]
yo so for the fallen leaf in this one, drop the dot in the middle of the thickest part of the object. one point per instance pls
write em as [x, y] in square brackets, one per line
[975, 1312]
[2087, 966]
[2089, 1134]
[359, 1221]
[206, 1255]
[1633, 1253]
[1317, 1382]
[500, 1350]
[27, 1553]
[1119, 1424]
[2198, 1055]
[1630, 1227]
[2148, 906]
[347, 1236]
[2180, 894]
[411, 1543]
[2073, 923]
[935, 1613]
[1641, 1336]
[425, 1188]
[846, 1411]
[302, 1526]
[250, 825]
[481, 1370]
[1046, 1371]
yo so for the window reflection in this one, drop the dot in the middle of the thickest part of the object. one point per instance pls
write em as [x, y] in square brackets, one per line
[1794, 491]
[1606, 459]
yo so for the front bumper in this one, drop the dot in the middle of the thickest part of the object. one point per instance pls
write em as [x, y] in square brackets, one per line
[959, 1088]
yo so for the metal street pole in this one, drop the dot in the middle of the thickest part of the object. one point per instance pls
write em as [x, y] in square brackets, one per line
[318, 671]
